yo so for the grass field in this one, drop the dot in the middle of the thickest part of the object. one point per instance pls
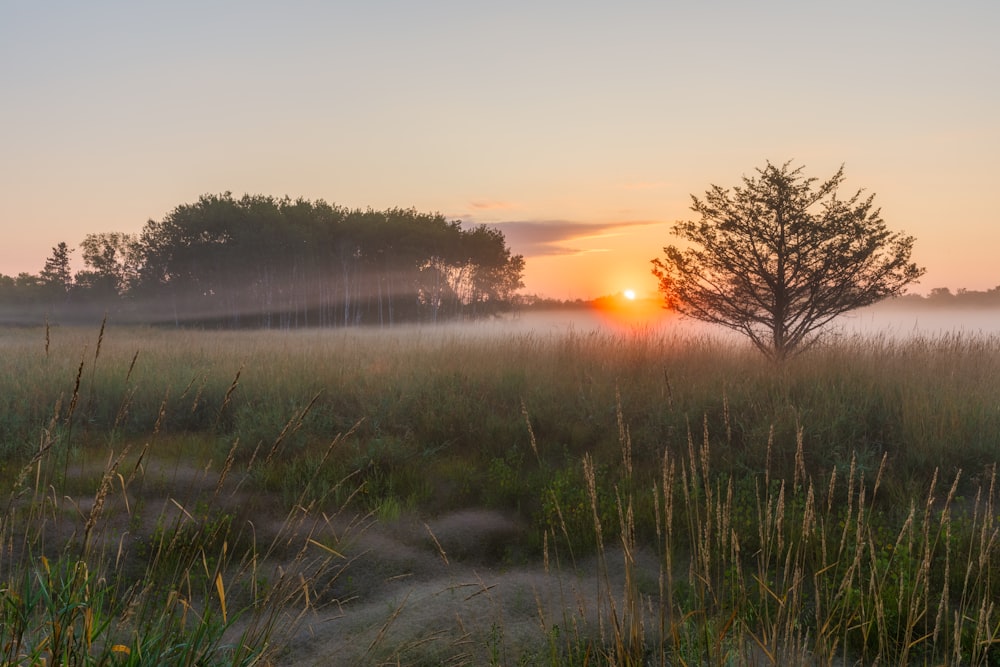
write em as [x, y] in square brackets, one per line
[443, 496]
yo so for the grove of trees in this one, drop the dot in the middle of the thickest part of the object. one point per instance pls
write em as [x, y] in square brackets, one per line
[260, 261]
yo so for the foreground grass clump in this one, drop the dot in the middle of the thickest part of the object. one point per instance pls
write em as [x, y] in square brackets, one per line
[759, 570]
[142, 559]
[185, 496]
[146, 573]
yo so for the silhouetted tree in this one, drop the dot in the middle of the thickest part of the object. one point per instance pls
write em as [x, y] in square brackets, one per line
[56, 274]
[112, 261]
[782, 255]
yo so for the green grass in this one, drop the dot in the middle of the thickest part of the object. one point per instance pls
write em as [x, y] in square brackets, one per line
[837, 507]
[427, 398]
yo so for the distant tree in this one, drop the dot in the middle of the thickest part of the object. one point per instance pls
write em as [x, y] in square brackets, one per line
[940, 293]
[780, 256]
[28, 282]
[496, 274]
[112, 261]
[56, 273]
[55, 279]
[8, 290]
[24, 298]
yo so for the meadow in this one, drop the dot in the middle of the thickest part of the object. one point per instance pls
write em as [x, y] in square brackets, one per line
[459, 496]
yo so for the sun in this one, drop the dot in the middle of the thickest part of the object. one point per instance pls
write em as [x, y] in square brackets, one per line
[629, 310]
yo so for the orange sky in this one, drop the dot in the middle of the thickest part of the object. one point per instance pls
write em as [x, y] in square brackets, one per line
[580, 128]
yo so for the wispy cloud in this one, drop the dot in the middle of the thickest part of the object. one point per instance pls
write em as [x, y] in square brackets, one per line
[490, 205]
[533, 238]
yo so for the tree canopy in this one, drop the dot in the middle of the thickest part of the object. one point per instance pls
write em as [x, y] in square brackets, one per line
[259, 261]
[780, 256]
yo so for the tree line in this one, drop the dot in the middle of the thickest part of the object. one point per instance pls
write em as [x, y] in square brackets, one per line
[943, 297]
[260, 261]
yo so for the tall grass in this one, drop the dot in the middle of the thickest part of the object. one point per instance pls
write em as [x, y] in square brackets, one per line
[423, 391]
[763, 570]
[139, 559]
[184, 487]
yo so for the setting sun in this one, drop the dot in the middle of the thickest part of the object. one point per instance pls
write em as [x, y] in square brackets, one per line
[627, 310]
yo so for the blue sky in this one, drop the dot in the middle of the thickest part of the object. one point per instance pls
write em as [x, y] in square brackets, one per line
[587, 124]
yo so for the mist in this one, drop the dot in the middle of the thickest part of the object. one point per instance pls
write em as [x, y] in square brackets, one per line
[897, 320]
[893, 320]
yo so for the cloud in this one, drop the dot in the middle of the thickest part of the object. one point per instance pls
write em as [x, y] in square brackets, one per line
[534, 238]
[490, 205]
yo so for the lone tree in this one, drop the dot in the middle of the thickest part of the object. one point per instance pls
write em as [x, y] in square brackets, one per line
[780, 256]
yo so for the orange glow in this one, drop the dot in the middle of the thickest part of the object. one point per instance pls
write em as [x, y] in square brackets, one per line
[625, 312]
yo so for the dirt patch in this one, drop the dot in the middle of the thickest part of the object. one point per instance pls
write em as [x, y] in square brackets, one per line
[423, 611]
[412, 591]
[408, 598]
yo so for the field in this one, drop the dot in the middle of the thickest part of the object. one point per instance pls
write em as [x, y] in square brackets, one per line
[456, 497]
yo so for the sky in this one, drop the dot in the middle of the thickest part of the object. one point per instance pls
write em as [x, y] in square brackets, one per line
[579, 128]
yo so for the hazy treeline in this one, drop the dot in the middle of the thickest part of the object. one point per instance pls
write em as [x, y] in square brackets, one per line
[944, 297]
[259, 261]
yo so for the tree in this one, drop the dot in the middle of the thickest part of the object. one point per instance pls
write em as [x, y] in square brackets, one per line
[112, 262]
[56, 279]
[780, 256]
[56, 273]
